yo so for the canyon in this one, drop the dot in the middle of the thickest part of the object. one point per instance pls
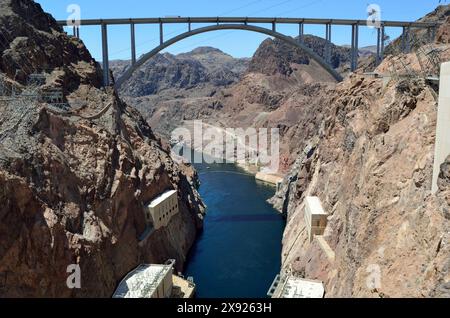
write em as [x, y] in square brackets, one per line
[74, 181]
[364, 147]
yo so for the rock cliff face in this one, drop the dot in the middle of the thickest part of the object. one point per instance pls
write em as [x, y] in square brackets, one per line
[419, 37]
[276, 56]
[74, 178]
[369, 159]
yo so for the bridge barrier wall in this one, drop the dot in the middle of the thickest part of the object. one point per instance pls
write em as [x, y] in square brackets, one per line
[442, 145]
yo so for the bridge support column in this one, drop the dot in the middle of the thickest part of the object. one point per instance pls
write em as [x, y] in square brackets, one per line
[354, 49]
[274, 27]
[378, 60]
[76, 31]
[301, 32]
[328, 43]
[406, 47]
[105, 55]
[161, 33]
[133, 44]
[408, 43]
[442, 145]
[402, 45]
[189, 25]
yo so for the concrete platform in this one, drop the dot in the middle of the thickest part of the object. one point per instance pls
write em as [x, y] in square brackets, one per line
[288, 286]
[274, 179]
[325, 248]
[182, 288]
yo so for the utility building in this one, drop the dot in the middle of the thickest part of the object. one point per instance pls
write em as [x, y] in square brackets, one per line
[161, 209]
[315, 217]
[147, 281]
[290, 286]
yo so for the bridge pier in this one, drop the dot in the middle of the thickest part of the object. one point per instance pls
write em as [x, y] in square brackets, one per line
[301, 32]
[354, 48]
[189, 25]
[408, 42]
[76, 31]
[328, 43]
[105, 54]
[380, 44]
[274, 26]
[133, 44]
[161, 33]
[406, 47]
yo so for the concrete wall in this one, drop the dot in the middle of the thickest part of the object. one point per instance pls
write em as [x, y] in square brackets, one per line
[269, 178]
[442, 145]
[315, 217]
[161, 214]
[164, 289]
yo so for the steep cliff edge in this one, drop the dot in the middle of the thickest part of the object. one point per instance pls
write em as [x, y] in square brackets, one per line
[74, 178]
[370, 162]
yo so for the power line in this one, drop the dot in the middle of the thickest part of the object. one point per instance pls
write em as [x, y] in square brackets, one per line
[229, 32]
[301, 7]
[272, 6]
[176, 31]
[220, 14]
[242, 7]
[207, 39]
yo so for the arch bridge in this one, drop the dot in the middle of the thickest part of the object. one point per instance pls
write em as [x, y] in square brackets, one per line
[245, 23]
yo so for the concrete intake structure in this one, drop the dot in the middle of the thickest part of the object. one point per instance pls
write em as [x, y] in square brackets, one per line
[285, 285]
[161, 209]
[442, 145]
[147, 281]
[315, 217]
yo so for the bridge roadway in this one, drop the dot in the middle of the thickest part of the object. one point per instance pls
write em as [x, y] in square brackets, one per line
[242, 23]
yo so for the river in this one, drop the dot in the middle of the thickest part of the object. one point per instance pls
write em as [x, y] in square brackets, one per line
[238, 253]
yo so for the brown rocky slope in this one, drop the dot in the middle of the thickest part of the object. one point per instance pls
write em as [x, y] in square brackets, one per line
[73, 182]
[370, 162]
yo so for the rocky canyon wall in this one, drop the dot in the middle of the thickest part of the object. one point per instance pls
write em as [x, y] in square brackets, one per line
[370, 162]
[74, 180]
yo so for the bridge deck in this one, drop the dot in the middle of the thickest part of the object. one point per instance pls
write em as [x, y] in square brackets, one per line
[250, 20]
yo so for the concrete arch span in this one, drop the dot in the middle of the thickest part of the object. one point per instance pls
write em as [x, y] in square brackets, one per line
[211, 28]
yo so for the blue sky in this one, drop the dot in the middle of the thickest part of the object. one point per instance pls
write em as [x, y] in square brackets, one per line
[236, 43]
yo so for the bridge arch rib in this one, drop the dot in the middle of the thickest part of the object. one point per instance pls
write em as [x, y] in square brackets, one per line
[129, 72]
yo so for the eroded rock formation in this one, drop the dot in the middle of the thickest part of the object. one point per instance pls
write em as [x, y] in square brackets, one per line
[74, 181]
[370, 162]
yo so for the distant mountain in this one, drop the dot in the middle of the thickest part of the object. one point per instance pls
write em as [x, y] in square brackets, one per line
[202, 66]
[215, 60]
[365, 50]
[276, 56]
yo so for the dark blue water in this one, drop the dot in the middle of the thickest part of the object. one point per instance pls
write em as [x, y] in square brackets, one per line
[238, 253]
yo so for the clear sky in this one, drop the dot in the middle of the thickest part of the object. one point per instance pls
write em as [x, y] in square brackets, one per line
[237, 43]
